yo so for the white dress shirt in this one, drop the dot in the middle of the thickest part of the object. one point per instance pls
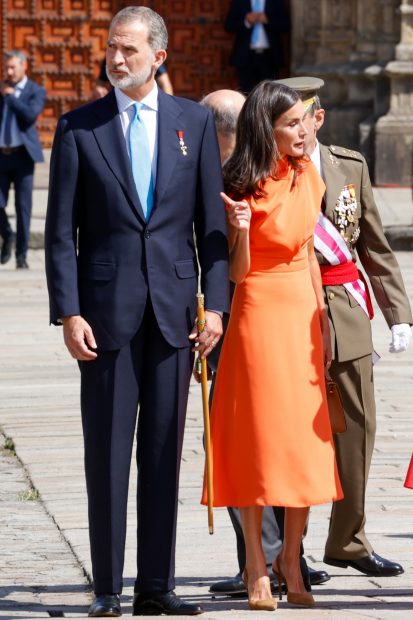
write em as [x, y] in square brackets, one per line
[149, 117]
[15, 132]
[316, 158]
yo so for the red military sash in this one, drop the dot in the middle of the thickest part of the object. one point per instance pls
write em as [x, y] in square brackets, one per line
[342, 269]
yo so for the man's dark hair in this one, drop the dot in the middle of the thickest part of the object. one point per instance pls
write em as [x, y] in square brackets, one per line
[157, 32]
[15, 54]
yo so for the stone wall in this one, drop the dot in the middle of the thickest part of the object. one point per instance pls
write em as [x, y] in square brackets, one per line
[348, 44]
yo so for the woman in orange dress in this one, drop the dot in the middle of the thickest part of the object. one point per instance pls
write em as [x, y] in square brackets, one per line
[270, 431]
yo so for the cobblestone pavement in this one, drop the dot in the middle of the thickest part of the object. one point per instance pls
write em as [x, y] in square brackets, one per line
[39, 575]
[44, 543]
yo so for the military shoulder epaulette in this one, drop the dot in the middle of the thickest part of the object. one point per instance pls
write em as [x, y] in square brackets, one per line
[341, 151]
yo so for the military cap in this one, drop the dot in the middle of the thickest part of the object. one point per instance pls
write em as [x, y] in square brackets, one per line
[307, 87]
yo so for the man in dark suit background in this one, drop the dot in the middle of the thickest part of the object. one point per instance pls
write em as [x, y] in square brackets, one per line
[132, 176]
[258, 26]
[21, 102]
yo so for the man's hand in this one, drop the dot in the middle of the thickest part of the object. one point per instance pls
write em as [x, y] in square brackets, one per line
[262, 18]
[252, 17]
[6, 89]
[79, 339]
[209, 338]
[401, 335]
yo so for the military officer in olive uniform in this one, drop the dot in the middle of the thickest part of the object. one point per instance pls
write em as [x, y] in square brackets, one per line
[350, 207]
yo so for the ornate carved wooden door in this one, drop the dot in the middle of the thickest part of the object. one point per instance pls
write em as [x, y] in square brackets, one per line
[65, 42]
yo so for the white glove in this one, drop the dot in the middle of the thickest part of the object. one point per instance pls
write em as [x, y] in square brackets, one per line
[400, 337]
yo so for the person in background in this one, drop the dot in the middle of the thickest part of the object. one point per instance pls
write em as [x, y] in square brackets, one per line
[225, 106]
[21, 102]
[133, 176]
[258, 26]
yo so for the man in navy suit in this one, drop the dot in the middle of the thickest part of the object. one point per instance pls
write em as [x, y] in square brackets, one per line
[21, 102]
[258, 51]
[129, 212]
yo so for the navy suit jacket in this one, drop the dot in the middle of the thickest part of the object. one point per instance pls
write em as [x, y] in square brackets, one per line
[27, 108]
[102, 258]
[278, 23]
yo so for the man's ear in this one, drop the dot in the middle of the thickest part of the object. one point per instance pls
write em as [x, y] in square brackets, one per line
[319, 118]
[160, 57]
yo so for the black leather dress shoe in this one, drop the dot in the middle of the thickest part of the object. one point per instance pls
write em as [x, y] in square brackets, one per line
[6, 249]
[21, 263]
[372, 565]
[105, 606]
[230, 587]
[157, 603]
[236, 587]
[317, 577]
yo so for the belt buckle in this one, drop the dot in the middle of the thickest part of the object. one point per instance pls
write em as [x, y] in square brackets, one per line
[7, 150]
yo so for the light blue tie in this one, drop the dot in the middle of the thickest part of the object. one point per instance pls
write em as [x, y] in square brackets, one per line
[141, 161]
[257, 28]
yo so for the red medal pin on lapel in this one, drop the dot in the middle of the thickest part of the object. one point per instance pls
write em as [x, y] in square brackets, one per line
[182, 144]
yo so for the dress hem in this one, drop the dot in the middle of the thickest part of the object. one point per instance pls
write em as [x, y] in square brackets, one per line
[329, 500]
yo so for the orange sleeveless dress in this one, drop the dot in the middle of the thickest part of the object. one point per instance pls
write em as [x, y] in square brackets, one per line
[270, 431]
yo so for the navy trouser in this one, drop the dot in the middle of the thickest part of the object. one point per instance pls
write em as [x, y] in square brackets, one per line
[259, 67]
[17, 169]
[150, 373]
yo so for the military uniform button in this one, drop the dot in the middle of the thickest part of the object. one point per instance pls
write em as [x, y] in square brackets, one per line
[331, 295]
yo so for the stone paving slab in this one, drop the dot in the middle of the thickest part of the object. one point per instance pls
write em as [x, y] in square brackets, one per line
[39, 409]
[38, 573]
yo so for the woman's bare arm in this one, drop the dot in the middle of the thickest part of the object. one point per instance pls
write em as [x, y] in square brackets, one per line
[239, 217]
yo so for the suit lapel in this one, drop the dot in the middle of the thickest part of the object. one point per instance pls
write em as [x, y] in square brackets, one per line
[169, 123]
[333, 177]
[111, 141]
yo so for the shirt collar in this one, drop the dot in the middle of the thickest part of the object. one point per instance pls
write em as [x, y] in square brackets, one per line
[124, 101]
[316, 157]
[20, 85]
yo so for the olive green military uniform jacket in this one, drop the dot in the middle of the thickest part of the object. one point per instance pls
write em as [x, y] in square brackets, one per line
[350, 326]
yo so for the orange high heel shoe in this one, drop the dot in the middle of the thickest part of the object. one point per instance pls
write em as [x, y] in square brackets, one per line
[305, 599]
[259, 604]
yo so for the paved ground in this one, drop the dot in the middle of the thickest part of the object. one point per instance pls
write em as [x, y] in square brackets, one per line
[44, 544]
[44, 561]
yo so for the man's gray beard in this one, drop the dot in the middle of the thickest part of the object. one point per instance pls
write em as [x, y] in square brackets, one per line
[129, 81]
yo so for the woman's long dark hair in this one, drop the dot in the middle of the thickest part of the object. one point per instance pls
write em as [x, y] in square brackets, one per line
[255, 155]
